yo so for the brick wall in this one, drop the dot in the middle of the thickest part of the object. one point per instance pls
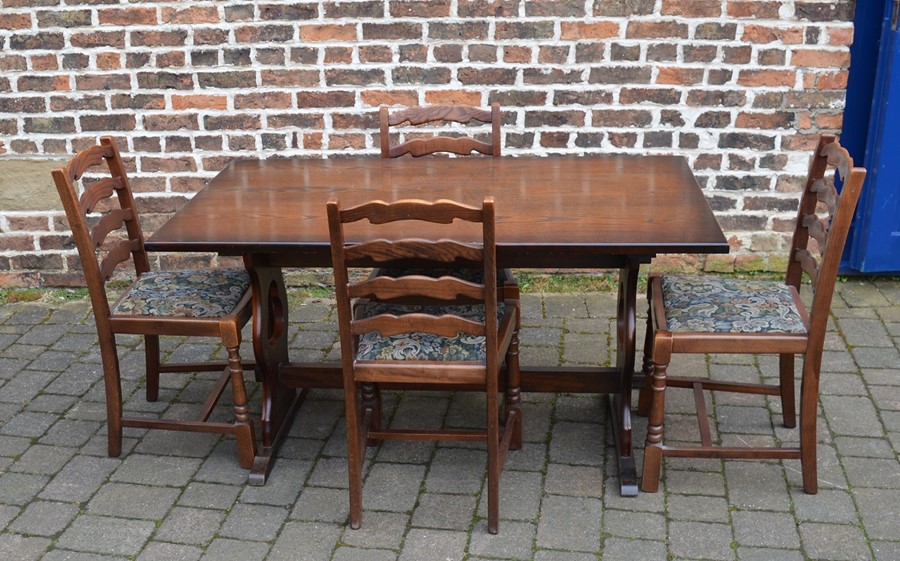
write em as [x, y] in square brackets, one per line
[739, 87]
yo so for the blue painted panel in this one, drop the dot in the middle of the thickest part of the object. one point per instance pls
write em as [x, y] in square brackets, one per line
[875, 246]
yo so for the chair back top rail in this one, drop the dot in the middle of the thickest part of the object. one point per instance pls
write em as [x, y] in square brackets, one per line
[416, 116]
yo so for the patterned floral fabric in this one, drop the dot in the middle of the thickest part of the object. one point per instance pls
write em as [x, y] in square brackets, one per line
[423, 346]
[199, 294]
[724, 305]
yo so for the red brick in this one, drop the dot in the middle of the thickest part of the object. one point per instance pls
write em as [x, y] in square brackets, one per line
[678, 75]
[327, 32]
[692, 8]
[656, 30]
[770, 78]
[127, 16]
[766, 121]
[44, 62]
[818, 58]
[832, 80]
[290, 78]
[197, 101]
[453, 97]
[338, 55]
[377, 98]
[191, 15]
[411, 9]
[488, 8]
[517, 54]
[263, 100]
[759, 9]
[573, 31]
[109, 61]
[15, 21]
[840, 36]
[158, 38]
[115, 39]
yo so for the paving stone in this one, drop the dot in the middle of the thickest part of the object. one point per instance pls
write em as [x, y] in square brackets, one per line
[828, 505]
[79, 479]
[111, 536]
[879, 510]
[841, 542]
[283, 485]
[379, 530]
[550, 555]
[698, 508]
[568, 444]
[174, 443]
[885, 551]
[253, 522]
[194, 526]
[392, 487]
[433, 545]
[44, 518]
[7, 513]
[156, 470]
[14, 547]
[446, 512]
[520, 496]
[620, 549]
[768, 554]
[322, 504]
[570, 523]
[757, 485]
[765, 529]
[700, 540]
[67, 555]
[228, 550]
[642, 525]
[209, 495]
[20, 488]
[514, 540]
[156, 551]
[305, 541]
[456, 470]
[356, 554]
[28, 424]
[330, 472]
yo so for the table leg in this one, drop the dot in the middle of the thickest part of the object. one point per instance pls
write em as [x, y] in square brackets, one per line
[620, 401]
[270, 347]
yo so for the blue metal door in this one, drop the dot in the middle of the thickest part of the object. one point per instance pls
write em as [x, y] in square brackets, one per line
[874, 244]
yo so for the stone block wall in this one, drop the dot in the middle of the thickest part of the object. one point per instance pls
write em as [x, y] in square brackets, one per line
[741, 88]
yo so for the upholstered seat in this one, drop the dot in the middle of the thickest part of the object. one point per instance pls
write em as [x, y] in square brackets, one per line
[198, 294]
[709, 304]
[423, 346]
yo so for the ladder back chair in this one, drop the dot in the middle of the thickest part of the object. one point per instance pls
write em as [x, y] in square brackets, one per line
[205, 303]
[455, 336]
[418, 146]
[694, 314]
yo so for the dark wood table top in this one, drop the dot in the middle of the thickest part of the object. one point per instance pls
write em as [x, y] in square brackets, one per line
[551, 212]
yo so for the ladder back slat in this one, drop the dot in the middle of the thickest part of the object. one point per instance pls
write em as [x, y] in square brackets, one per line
[440, 212]
[98, 191]
[389, 324]
[112, 220]
[119, 253]
[443, 251]
[444, 288]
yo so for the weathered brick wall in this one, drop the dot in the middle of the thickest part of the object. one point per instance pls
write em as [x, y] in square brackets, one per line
[739, 87]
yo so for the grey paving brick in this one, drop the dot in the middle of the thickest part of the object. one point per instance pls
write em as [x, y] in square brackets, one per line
[227, 550]
[43, 460]
[514, 540]
[642, 525]
[621, 549]
[68, 555]
[133, 501]
[111, 536]
[193, 526]
[253, 522]
[768, 554]
[574, 443]
[44, 518]
[456, 470]
[700, 540]
[14, 547]
[841, 542]
[20, 488]
[321, 504]
[379, 530]
[570, 523]
[520, 495]
[392, 487]
[283, 485]
[156, 470]
[305, 541]
[446, 512]
[79, 479]
[156, 551]
[433, 545]
[359, 554]
[765, 529]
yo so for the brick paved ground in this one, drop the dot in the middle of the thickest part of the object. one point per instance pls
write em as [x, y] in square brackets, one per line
[181, 497]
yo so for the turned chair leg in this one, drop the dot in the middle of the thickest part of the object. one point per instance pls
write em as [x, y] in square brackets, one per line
[354, 454]
[152, 360]
[653, 449]
[646, 395]
[513, 392]
[786, 382]
[371, 401]
[244, 433]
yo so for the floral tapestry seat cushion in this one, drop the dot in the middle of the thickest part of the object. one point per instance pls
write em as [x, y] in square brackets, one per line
[423, 346]
[725, 305]
[196, 293]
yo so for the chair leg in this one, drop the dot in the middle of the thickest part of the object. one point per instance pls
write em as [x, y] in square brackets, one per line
[493, 467]
[112, 384]
[809, 399]
[243, 425]
[653, 449]
[513, 391]
[646, 394]
[371, 401]
[354, 453]
[151, 360]
[786, 375]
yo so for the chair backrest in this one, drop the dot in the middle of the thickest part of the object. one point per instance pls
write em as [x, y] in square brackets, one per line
[99, 257]
[438, 292]
[463, 145]
[824, 217]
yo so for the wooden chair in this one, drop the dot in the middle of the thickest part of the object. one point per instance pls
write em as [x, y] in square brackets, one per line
[459, 145]
[416, 116]
[437, 342]
[210, 303]
[708, 315]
